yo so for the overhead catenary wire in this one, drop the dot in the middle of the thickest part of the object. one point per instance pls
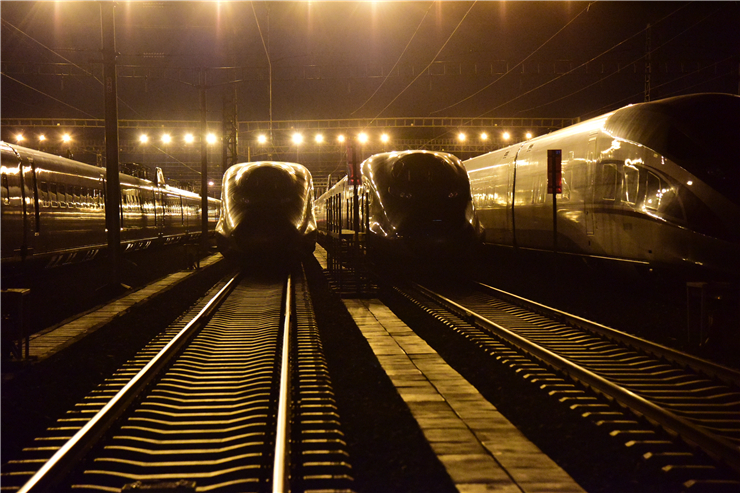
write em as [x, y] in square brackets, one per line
[564, 74]
[398, 60]
[515, 66]
[427, 67]
[630, 63]
[5, 22]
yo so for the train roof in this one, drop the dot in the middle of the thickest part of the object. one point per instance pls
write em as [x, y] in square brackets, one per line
[699, 132]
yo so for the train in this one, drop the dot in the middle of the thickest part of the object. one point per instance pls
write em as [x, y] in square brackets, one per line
[411, 204]
[652, 184]
[53, 210]
[267, 211]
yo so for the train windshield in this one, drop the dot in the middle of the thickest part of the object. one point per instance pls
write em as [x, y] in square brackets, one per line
[700, 133]
[421, 170]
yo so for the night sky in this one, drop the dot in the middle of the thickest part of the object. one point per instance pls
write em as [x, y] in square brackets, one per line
[329, 58]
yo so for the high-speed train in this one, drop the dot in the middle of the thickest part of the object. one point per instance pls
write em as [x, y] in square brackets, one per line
[414, 203]
[653, 184]
[53, 210]
[267, 210]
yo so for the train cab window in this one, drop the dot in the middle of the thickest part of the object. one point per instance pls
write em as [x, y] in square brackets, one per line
[631, 184]
[606, 184]
[654, 192]
[5, 190]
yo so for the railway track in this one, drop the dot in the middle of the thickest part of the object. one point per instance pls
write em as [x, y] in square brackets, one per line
[235, 397]
[679, 411]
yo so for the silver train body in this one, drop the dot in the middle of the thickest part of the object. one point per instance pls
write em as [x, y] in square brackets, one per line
[53, 210]
[267, 210]
[652, 183]
[413, 203]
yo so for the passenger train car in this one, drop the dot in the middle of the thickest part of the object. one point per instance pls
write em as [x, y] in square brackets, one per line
[414, 204]
[53, 210]
[267, 210]
[653, 184]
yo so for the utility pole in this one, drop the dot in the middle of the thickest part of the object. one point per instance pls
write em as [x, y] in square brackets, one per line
[112, 185]
[203, 164]
[648, 64]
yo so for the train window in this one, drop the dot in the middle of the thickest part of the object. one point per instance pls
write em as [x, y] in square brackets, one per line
[631, 184]
[5, 190]
[607, 182]
[44, 193]
[62, 194]
[53, 195]
[654, 192]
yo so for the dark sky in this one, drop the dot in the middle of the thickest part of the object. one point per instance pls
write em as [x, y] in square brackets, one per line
[328, 58]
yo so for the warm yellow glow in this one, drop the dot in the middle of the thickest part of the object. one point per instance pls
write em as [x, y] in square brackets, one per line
[506, 135]
[42, 137]
[461, 137]
[189, 138]
[143, 138]
[166, 138]
[528, 135]
[340, 138]
[211, 138]
[66, 138]
[483, 136]
[319, 138]
[362, 137]
[297, 138]
[19, 137]
[262, 138]
[384, 138]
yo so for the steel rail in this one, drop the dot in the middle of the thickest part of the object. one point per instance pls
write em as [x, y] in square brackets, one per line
[727, 375]
[73, 450]
[282, 434]
[718, 447]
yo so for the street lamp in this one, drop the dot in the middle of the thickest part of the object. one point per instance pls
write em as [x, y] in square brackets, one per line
[262, 139]
[19, 138]
[506, 136]
[189, 138]
[362, 138]
[211, 138]
[166, 138]
[143, 138]
[461, 137]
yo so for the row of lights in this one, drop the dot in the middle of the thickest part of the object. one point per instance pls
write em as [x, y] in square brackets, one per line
[363, 138]
[296, 138]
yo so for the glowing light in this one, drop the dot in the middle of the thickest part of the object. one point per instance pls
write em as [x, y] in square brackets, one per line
[211, 138]
[143, 138]
[210, 183]
[19, 138]
[484, 136]
[319, 138]
[340, 138]
[262, 138]
[66, 138]
[362, 137]
[42, 137]
[689, 183]
[461, 137]
[385, 138]
[506, 135]
[297, 138]
[166, 138]
[189, 138]
[528, 135]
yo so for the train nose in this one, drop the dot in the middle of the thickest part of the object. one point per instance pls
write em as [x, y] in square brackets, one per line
[266, 186]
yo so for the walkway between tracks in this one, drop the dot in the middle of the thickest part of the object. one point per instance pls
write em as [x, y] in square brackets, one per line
[50, 341]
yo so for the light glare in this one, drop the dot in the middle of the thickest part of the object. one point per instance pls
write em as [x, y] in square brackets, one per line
[297, 138]
[211, 138]
[189, 138]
